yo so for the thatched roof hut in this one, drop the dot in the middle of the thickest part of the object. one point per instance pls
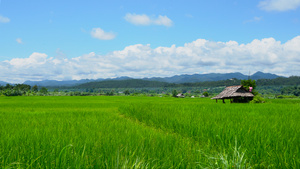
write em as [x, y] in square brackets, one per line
[235, 93]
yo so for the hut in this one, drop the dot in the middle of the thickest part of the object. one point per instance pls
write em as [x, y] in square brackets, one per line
[180, 95]
[235, 94]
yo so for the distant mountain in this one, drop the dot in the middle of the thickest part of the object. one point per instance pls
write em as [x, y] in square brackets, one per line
[127, 83]
[68, 83]
[261, 75]
[199, 77]
[139, 83]
[57, 83]
[174, 79]
[212, 77]
[3, 83]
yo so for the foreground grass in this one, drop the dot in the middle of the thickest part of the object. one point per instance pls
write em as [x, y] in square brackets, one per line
[144, 132]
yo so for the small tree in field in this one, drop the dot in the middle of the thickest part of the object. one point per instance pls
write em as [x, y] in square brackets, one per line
[44, 90]
[206, 94]
[127, 92]
[249, 85]
[174, 93]
[35, 88]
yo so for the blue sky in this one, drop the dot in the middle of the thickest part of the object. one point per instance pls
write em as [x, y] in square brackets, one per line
[92, 39]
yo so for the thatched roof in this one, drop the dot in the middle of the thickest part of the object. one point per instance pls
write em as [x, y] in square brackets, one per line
[180, 95]
[233, 91]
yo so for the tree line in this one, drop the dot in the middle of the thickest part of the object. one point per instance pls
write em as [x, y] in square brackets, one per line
[276, 86]
[292, 90]
[21, 90]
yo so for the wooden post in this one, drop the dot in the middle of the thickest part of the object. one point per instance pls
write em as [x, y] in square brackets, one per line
[216, 100]
[223, 101]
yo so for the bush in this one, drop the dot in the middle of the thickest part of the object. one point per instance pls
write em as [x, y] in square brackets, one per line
[206, 94]
[258, 99]
[12, 93]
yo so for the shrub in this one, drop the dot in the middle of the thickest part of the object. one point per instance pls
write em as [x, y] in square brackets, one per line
[258, 99]
[206, 94]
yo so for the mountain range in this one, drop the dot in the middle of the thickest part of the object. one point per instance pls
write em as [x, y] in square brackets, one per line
[174, 79]
[212, 77]
[2, 83]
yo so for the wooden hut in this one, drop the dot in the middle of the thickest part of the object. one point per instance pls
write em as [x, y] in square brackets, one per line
[235, 94]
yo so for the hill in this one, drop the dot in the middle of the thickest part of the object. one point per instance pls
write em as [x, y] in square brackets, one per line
[56, 82]
[199, 77]
[139, 83]
[212, 77]
[3, 83]
[174, 79]
[68, 83]
[130, 83]
[261, 75]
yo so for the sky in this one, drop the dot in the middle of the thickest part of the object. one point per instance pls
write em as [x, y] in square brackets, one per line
[72, 40]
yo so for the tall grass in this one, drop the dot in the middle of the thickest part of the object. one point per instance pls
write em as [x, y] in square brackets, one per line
[84, 132]
[234, 159]
[144, 132]
[269, 132]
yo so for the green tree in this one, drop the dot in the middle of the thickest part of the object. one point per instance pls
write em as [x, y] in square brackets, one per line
[111, 93]
[206, 94]
[126, 92]
[174, 93]
[22, 87]
[44, 90]
[249, 83]
[35, 88]
[8, 86]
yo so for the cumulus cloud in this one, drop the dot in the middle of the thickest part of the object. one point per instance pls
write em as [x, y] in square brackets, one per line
[34, 60]
[19, 40]
[279, 5]
[199, 56]
[146, 20]
[4, 19]
[98, 33]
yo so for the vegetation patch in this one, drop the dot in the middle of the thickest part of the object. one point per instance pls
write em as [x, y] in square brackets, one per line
[146, 132]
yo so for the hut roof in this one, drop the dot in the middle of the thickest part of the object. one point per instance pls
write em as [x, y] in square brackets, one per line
[180, 95]
[233, 91]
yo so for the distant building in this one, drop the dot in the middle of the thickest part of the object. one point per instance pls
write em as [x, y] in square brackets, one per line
[180, 95]
[235, 94]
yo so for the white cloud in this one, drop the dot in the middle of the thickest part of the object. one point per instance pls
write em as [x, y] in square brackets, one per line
[146, 20]
[279, 5]
[163, 20]
[254, 19]
[34, 60]
[4, 19]
[19, 40]
[138, 19]
[199, 56]
[98, 33]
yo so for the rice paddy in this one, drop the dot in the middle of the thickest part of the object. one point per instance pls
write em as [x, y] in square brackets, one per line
[147, 132]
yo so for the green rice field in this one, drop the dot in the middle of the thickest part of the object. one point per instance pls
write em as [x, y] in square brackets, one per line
[147, 132]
